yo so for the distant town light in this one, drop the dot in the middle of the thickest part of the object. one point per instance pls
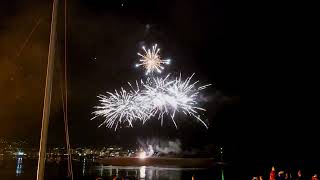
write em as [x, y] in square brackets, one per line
[19, 153]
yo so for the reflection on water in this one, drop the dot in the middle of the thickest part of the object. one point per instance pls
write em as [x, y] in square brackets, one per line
[101, 171]
[19, 166]
[147, 172]
[142, 172]
[222, 175]
[86, 169]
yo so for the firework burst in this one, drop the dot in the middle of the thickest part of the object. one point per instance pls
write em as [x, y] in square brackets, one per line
[151, 60]
[157, 97]
[120, 107]
[167, 97]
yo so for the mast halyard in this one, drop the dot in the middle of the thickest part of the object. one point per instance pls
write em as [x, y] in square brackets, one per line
[47, 95]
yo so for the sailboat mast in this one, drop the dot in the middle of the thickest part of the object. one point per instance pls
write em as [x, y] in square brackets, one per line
[47, 95]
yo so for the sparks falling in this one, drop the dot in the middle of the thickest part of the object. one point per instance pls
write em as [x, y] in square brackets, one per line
[151, 60]
[156, 97]
[120, 107]
[167, 97]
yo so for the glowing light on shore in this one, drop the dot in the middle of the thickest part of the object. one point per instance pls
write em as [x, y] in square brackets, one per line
[142, 155]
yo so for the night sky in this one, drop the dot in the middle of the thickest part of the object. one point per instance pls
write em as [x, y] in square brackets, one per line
[205, 37]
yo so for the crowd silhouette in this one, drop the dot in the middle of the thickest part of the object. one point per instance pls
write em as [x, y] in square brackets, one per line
[282, 175]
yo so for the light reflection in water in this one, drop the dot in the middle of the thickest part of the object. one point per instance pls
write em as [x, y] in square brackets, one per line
[146, 172]
[101, 171]
[84, 167]
[142, 172]
[19, 166]
[150, 174]
[222, 175]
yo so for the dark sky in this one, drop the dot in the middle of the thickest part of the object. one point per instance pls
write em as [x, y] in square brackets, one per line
[103, 38]
[22, 74]
[206, 37]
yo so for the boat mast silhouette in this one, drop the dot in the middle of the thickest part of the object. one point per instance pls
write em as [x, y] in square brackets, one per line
[48, 92]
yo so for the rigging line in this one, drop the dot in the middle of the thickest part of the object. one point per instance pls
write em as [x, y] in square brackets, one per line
[28, 37]
[64, 116]
[70, 171]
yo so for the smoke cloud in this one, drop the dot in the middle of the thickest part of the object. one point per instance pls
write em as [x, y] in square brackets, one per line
[155, 146]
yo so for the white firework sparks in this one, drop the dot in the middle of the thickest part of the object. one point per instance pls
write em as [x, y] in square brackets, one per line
[120, 107]
[158, 97]
[151, 60]
[168, 97]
